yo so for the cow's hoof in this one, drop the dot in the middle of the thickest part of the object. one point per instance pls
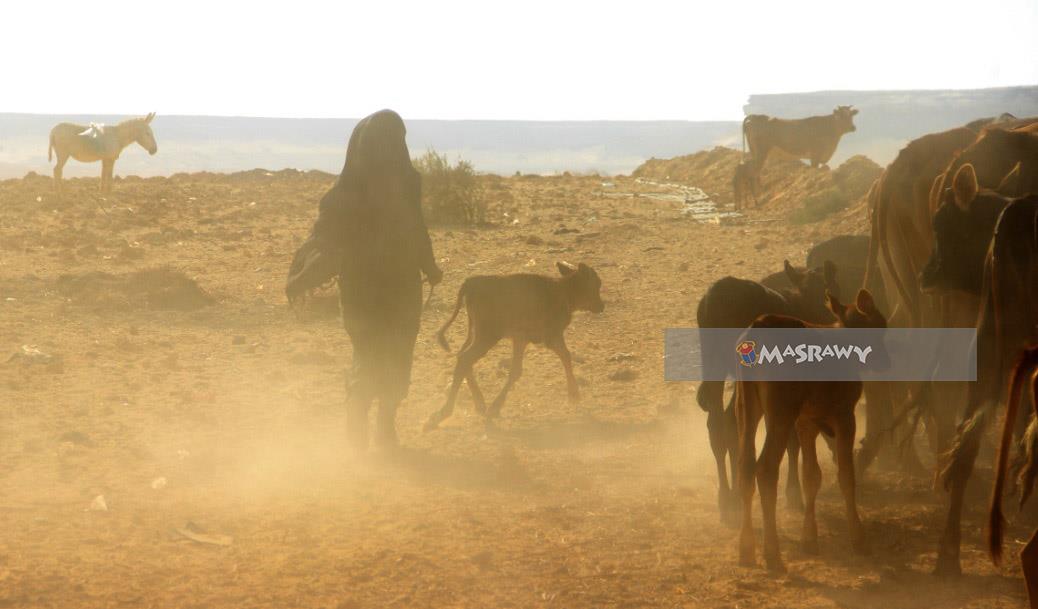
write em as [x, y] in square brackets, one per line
[947, 566]
[775, 564]
[810, 546]
[794, 500]
[574, 397]
[747, 560]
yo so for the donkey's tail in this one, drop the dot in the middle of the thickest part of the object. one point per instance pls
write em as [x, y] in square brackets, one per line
[441, 336]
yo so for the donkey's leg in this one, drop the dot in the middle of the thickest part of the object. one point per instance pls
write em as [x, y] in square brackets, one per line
[106, 174]
[59, 170]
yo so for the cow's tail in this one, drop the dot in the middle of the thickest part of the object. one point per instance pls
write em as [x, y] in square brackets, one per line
[882, 209]
[1025, 367]
[745, 122]
[50, 149]
[441, 336]
[872, 203]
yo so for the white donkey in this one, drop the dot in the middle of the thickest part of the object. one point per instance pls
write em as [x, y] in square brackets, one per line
[98, 143]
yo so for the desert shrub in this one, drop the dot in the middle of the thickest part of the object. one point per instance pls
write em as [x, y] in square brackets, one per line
[820, 205]
[856, 175]
[451, 194]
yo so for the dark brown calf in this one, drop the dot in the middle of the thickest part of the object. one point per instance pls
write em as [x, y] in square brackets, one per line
[1026, 370]
[809, 407]
[525, 308]
[745, 184]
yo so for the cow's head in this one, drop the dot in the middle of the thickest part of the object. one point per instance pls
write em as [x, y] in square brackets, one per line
[585, 287]
[862, 314]
[812, 286]
[844, 116]
[962, 226]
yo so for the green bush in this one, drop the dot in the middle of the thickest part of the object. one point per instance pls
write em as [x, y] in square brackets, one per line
[451, 194]
[820, 205]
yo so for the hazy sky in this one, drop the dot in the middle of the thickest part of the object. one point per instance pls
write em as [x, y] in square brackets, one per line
[639, 60]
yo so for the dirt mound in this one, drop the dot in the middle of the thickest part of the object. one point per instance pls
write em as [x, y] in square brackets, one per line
[156, 289]
[787, 183]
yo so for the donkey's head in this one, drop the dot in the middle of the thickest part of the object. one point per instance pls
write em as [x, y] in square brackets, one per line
[143, 135]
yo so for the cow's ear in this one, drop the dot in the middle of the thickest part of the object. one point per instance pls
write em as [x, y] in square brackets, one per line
[835, 305]
[1010, 184]
[796, 276]
[829, 272]
[865, 302]
[964, 186]
[565, 269]
[854, 111]
[148, 119]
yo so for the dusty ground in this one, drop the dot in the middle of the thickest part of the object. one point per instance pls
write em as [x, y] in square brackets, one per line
[229, 416]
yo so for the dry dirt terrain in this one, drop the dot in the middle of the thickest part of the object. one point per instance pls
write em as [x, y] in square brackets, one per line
[171, 434]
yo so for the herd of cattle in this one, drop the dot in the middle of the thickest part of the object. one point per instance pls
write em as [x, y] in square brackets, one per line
[954, 243]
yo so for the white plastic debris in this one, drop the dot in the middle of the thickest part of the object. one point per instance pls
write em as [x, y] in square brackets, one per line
[98, 504]
[159, 483]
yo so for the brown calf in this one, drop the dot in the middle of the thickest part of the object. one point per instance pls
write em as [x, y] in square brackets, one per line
[526, 308]
[809, 407]
[814, 138]
[745, 184]
[1026, 370]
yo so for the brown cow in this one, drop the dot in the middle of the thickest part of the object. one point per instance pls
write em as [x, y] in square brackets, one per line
[814, 138]
[734, 303]
[1026, 370]
[810, 407]
[525, 308]
[1006, 321]
[745, 184]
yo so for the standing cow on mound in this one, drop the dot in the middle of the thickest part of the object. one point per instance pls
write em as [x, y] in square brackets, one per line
[371, 233]
[96, 142]
[814, 138]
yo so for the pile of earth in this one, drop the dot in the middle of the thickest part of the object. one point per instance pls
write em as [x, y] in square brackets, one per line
[160, 289]
[786, 183]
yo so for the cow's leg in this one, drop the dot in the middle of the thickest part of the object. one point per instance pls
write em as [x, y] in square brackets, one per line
[1029, 565]
[514, 372]
[463, 370]
[794, 498]
[878, 420]
[59, 170]
[844, 425]
[558, 345]
[958, 473]
[715, 425]
[807, 431]
[776, 440]
[748, 415]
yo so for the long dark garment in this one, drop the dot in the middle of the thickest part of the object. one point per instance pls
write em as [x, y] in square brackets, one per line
[371, 233]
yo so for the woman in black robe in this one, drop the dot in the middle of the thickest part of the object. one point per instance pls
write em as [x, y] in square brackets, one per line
[370, 230]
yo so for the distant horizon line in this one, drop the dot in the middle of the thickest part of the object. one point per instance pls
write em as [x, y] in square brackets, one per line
[524, 120]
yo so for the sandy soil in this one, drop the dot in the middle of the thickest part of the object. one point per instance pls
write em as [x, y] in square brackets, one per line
[226, 417]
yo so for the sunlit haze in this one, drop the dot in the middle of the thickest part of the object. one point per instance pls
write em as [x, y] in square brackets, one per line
[472, 60]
